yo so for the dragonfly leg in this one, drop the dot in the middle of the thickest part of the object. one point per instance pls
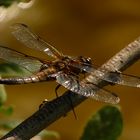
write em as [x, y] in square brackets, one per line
[43, 103]
[73, 110]
[56, 89]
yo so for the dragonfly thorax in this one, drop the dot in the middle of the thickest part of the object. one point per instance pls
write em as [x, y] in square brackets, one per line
[63, 64]
[60, 65]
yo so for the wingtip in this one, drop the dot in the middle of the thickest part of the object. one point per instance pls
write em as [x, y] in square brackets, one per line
[117, 100]
[114, 100]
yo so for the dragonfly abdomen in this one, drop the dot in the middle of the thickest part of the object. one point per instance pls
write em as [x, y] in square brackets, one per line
[47, 74]
[44, 75]
[19, 80]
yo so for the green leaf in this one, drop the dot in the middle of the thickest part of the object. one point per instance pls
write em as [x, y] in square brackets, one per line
[8, 125]
[3, 95]
[7, 3]
[106, 124]
[3, 132]
[6, 110]
[45, 134]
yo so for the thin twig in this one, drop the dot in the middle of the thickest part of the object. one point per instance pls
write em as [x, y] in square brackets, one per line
[53, 110]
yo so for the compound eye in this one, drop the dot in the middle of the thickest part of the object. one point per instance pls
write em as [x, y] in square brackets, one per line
[89, 60]
[85, 59]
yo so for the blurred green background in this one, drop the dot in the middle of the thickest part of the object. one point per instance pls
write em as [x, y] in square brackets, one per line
[97, 29]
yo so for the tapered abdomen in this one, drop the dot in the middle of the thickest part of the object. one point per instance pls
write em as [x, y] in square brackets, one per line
[44, 75]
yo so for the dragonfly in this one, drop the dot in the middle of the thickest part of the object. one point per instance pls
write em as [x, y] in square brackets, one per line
[64, 69]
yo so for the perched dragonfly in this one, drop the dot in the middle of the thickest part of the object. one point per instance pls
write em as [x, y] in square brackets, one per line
[66, 70]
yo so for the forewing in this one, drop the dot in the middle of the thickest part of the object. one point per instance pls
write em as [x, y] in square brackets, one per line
[29, 63]
[31, 40]
[88, 90]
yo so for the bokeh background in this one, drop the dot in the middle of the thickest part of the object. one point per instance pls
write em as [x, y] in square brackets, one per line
[97, 29]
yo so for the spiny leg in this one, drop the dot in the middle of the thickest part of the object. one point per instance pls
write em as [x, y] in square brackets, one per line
[70, 81]
[43, 103]
[73, 110]
[56, 89]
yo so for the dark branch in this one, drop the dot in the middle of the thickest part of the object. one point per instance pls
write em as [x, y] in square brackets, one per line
[53, 110]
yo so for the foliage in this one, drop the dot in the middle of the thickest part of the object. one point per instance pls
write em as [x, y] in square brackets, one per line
[49, 134]
[106, 124]
[7, 3]
[3, 95]
[10, 69]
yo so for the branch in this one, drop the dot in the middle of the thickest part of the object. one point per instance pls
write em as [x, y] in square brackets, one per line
[53, 110]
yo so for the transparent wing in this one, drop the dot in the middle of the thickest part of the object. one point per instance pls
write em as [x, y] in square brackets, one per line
[123, 79]
[30, 63]
[113, 77]
[88, 90]
[31, 40]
